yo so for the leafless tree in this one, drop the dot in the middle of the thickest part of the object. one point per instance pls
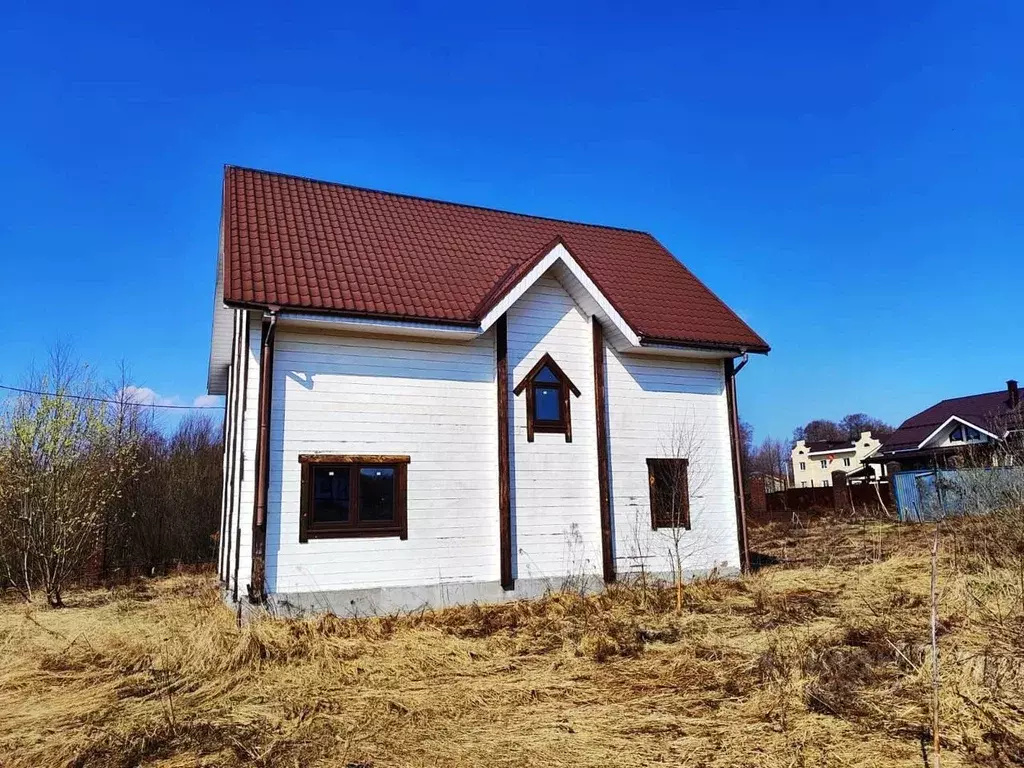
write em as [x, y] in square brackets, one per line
[167, 514]
[64, 464]
[683, 480]
[90, 487]
[847, 428]
[771, 457]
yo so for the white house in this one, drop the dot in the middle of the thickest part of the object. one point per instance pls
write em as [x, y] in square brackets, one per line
[430, 403]
[814, 461]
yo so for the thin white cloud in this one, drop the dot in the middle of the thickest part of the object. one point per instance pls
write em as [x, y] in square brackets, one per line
[147, 396]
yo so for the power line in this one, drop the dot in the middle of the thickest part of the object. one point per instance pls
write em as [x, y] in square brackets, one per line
[113, 402]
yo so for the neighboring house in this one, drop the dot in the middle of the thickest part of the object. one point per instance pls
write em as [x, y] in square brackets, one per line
[431, 403]
[958, 431]
[815, 461]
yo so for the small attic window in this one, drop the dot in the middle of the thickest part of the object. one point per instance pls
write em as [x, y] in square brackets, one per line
[957, 435]
[973, 434]
[547, 401]
[547, 397]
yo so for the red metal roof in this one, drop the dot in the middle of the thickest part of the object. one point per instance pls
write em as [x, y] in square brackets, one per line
[988, 411]
[317, 246]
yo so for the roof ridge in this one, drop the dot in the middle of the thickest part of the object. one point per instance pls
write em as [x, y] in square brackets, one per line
[438, 201]
[968, 397]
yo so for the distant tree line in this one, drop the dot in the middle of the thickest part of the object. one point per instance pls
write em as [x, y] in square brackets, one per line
[847, 428]
[92, 489]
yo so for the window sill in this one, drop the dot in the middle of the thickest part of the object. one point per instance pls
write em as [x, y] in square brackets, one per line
[357, 533]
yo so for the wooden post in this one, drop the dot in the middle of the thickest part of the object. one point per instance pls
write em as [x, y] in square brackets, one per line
[936, 759]
[504, 481]
[840, 492]
[604, 490]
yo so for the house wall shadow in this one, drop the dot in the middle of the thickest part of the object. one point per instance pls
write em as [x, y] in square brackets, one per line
[651, 375]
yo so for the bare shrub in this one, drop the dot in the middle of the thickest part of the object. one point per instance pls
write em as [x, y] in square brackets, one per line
[90, 488]
[680, 495]
[65, 460]
[989, 491]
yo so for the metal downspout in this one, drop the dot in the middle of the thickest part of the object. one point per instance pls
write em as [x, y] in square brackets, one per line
[257, 582]
[731, 369]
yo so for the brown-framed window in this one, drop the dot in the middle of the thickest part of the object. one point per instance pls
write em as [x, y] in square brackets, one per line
[352, 496]
[670, 493]
[547, 399]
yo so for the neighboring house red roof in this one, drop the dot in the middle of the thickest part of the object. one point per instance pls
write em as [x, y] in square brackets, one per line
[988, 411]
[316, 246]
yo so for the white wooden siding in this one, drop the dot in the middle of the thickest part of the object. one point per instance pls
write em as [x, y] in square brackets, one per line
[227, 465]
[556, 514]
[436, 403]
[232, 449]
[241, 536]
[656, 404]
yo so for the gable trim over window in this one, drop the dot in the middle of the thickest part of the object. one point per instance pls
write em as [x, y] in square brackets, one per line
[670, 493]
[352, 496]
[547, 401]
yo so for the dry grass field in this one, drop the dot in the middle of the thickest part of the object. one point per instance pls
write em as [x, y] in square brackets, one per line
[820, 658]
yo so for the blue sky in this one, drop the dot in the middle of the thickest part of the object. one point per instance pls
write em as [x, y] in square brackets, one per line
[847, 176]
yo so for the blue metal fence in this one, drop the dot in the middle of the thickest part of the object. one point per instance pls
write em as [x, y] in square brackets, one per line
[923, 495]
[910, 502]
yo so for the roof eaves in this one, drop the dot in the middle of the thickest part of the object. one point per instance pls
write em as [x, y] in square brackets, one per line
[764, 347]
[351, 313]
[738, 347]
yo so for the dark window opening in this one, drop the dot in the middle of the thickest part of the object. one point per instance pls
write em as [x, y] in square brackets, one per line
[330, 495]
[957, 435]
[345, 496]
[973, 434]
[670, 493]
[377, 494]
[547, 404]
[547, 399]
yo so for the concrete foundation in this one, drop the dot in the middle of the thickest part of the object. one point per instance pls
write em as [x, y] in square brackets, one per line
[381, 601]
